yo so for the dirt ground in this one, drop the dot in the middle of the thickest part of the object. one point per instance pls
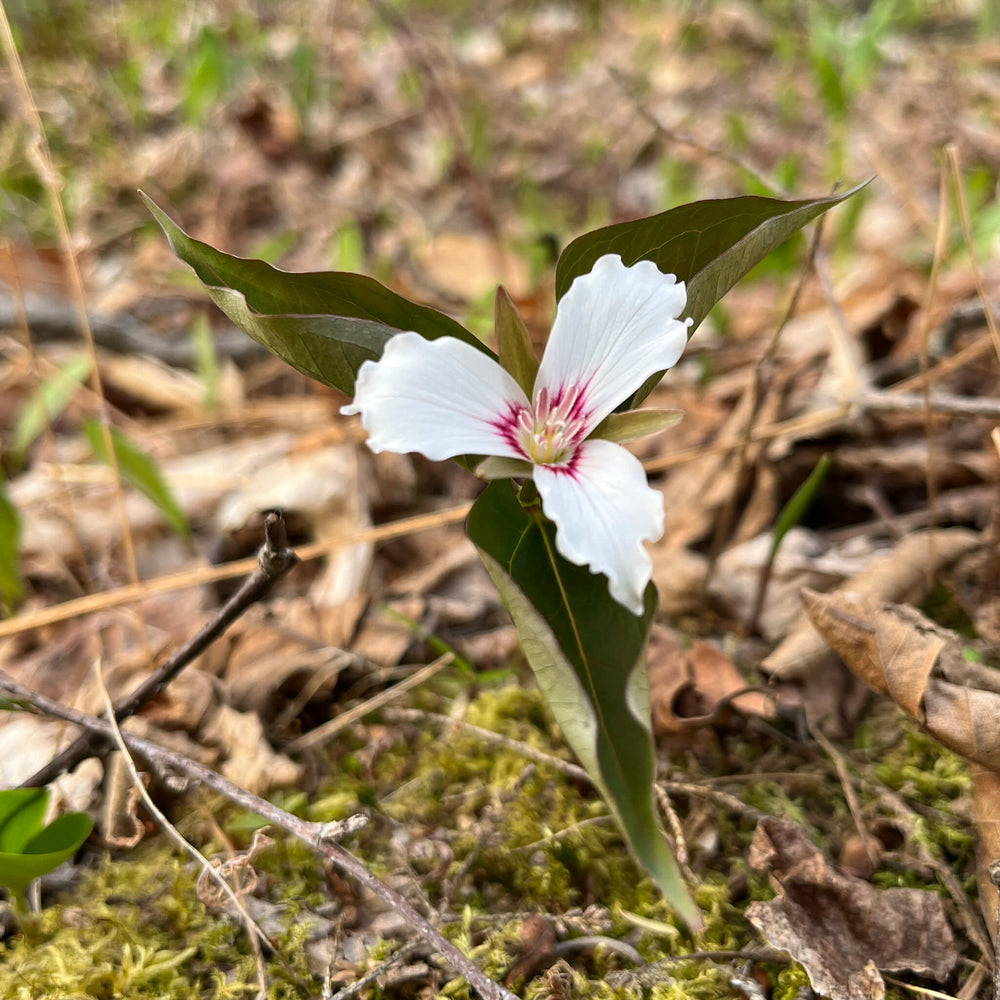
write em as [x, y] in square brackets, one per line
[835, 822]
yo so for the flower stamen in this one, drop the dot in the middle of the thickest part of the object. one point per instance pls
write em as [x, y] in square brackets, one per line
[550, 431]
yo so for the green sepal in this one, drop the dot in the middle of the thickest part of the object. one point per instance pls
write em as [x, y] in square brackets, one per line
[632, 424]
[517, 356]
[500, 467]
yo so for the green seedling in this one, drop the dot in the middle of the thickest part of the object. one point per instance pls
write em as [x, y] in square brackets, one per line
[139, 470]
[52, 396]
[791, 515]
[206, 360]
[10, 542]
[29, 848]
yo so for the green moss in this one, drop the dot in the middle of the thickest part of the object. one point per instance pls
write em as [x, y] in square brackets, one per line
[790, 982]
[481, 831]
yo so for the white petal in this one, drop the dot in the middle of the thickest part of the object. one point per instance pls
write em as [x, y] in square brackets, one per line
[440, 397]
[614, 328]
[603, 508]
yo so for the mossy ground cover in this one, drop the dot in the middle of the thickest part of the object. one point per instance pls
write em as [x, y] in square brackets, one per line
[488, 840]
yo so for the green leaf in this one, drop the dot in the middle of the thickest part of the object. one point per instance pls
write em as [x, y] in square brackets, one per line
[517, 357]
[52, 396]
[26, 849]
[709, 245]
[139, 470]
[325, 324]
[22, 812]
[587, 652]
[206, 360]
[10, 549]
[793, 511]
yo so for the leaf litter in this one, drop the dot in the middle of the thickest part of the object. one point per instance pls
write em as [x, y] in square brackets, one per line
[517, 133]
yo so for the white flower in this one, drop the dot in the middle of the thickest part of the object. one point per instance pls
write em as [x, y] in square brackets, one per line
[614, 327]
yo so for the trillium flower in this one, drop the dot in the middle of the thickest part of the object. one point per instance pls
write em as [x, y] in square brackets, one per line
[553, 421]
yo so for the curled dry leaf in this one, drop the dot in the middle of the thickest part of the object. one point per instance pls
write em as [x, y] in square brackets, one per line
[841, 929]
[902, 654]
[900, 575]
[898, 652]
[692, 687]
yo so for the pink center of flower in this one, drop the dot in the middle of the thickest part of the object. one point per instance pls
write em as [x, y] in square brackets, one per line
[549, 433]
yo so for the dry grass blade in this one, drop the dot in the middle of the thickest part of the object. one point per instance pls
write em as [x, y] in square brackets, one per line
[254, 931]
[226, 571]
[38, 153]
[325, 732]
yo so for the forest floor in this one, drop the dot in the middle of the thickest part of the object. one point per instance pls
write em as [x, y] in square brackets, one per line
[445, 150]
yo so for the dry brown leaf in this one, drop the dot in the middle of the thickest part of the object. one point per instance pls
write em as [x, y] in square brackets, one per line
[900, 575]
[689, 688]
[986, 807]
[840, 928]
[679, 575]
[469, 265]
[900, 653]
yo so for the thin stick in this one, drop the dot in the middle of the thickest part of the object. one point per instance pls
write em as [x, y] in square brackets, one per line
[629, 87]
[527, 751]
[755, 392]
[963, 213]
[274, 560]
[320, 837]
[930, 470]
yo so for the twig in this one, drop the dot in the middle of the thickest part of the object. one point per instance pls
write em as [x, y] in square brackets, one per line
[755, 391]
[853, 806]
[940, 246]
[273, 561]
[887, 401]
[713, 795]
[963, 214]
[54, 320]
[320, 837]
[322, 733]
[253, 928]
[360, 985]
[677, 831]
[685, 139]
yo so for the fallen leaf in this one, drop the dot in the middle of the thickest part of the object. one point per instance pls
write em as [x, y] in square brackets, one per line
[693, 687]
[898, 652]
[900, 575]
[839, 928]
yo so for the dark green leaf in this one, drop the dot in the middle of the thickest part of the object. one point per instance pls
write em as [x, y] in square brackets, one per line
[587, 652]
[325, 324]
[708, 244]
[138, 470]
